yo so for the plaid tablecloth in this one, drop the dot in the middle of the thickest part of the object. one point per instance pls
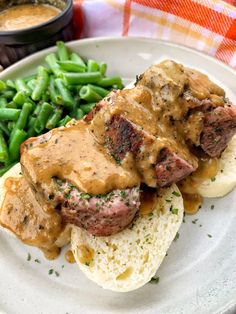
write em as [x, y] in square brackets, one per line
[206, 25]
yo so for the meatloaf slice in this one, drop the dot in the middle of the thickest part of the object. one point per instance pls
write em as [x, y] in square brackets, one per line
[100, 215]
[219, 127]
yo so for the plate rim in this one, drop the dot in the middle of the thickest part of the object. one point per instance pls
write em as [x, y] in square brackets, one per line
[79, 42]
[230, 307]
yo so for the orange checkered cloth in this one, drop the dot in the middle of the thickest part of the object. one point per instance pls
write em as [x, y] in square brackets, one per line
[206, 25]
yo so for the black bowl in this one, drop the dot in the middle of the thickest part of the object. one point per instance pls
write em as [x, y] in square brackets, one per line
[15, 45]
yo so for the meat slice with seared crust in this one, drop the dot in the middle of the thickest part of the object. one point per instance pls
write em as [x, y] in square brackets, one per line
[123, 136]
[219, 127]
[100, 215]
[171, 168]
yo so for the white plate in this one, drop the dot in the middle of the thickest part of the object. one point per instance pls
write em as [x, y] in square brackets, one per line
[199, 273]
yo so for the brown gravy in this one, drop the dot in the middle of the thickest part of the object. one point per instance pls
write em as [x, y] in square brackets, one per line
[70, 257]
[83, 163]
[32, 224]
[26, 15]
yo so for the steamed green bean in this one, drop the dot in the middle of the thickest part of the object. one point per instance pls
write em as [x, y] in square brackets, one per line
[81, 78]
[41, 83]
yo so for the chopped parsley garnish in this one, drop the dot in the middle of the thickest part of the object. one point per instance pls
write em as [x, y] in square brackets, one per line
[154, 280]
[57, 274]
[174, 210]
[194, 221]
[28, 257]
[209, 235]
[213, 179]
[37, 261]
[168, 201]
[212, 206]
[50, 272]
[62, 266]
[175, 193]
[85, 196]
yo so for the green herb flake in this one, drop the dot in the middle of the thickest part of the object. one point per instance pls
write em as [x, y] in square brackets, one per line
[50, 272]
[175, 193]
[57, 274]
[194, 221]
[174, 210]
[213, 179]
[212, 206]
[155, 280]
[168, 201]
[37, 261]
[209, 235]
[28, 257]
[62, 266]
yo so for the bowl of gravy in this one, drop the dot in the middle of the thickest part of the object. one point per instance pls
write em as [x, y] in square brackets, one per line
[28, 26]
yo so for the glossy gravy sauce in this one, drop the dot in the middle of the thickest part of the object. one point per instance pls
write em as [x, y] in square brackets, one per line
[26, 15]
[31, 223]
[84, 163]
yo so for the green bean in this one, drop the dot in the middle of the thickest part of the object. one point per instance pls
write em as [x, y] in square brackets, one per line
[31, 84]
[55, 97]
[9, 114]
[21, 86]
[110, 81]
[92, 65]
[6, 168]
[22, 120]
[4, 129]
[79, 114]
[62, 51]
[10, 84]
[51, 60]
[19, 98]
[8, 94]
[36, 110]
[2, 85]
[41, 83]
[54, 119]
[12, 105]
[31, 131]
[14, 146]
[65, 94]
[99, 90]
[88, 107]
[42, 117]
[11, 125]
[3, 102]
[81, 78]
[103, 68]
[70, 66]
[30, 78]
[76, 58]
[4, 156]
[88, 94]
[64, 121]
[45, 97]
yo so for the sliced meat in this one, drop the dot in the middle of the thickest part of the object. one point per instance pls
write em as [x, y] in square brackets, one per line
[100, 215]
[122, 137]
[171, 168]
[219, 127]
[125, 137]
